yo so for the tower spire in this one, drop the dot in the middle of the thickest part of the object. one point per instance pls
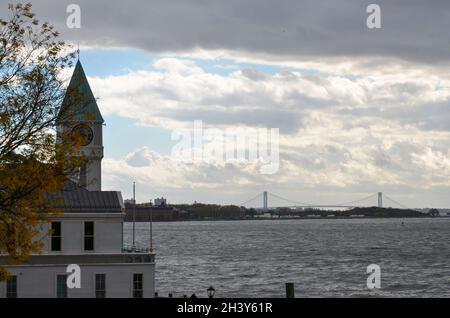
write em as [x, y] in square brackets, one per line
[80, 114]
[79, 103]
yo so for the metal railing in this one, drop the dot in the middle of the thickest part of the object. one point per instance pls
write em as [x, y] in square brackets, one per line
[134, 249]
[84, 259]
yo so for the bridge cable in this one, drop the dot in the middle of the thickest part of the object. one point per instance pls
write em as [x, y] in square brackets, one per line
[245, 202]
[396, 202]
[331, 205]
[355, 201]
[292, 201]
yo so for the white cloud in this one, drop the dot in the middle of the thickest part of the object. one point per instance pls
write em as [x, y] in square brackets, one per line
[337, 132]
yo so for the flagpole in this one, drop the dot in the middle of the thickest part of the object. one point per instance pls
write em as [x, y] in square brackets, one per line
[151, 229]
[134, 215]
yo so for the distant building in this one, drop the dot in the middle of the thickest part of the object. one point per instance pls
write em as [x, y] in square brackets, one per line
[129, 201]
[160, 202]
[144, 212]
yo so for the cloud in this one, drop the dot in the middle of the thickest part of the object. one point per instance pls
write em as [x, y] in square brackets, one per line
[358, 110]
[338, 134]
[288, 30]
[308, 172]
[178, 91]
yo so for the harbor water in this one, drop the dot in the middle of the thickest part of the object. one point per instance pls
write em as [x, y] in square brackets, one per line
[323, 257]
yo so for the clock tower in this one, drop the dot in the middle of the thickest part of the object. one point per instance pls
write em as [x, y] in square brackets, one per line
[80, 114]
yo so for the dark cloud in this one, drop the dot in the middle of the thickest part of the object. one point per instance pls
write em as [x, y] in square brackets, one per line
[287, 122]
[427, 117]
[411, 29]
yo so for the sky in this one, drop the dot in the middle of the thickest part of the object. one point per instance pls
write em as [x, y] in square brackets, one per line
[358, 110]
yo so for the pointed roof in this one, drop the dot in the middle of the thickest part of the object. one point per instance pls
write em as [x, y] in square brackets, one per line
[79, 103]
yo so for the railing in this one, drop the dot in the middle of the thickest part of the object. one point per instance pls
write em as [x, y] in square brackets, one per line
[134, 249]
[85, 259]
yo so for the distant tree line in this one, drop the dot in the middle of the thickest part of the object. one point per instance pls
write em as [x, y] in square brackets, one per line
[201, 211]
[214, 211]
[366, 211]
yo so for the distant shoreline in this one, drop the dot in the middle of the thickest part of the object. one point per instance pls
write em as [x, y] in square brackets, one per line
[299, 218]
[212, 212]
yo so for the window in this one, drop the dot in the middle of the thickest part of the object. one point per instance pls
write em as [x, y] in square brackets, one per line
[61, 286]
[138, 290]
[100, 285]
[88, 236]
[56, 236]
[11, 287]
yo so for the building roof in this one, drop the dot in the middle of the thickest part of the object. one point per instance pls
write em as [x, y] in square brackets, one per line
[79, 103]
[76, 199]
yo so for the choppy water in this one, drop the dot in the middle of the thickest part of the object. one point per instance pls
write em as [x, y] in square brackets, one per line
[324, 258]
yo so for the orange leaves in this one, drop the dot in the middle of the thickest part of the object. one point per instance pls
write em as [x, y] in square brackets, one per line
[25, 183]
[4, 118]
[32, 164]
[25, 204]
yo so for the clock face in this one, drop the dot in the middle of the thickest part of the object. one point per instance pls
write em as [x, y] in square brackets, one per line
[85, 132]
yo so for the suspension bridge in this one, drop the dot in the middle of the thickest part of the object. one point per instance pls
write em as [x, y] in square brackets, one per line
[261, 201]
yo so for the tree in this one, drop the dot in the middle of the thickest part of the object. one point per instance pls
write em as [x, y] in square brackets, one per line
[32, 164]
[434, 212]
[251, 212]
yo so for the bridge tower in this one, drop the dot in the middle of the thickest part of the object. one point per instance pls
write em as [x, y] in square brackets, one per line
[380, 199]
[265, 201]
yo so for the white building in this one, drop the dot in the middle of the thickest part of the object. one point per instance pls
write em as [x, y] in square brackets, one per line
[160, 202]
[90, 232]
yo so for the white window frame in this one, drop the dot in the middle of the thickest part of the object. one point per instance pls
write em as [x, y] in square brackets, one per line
[132, 284]
[56, 284]
[95, 284]
[61, 237]
[17, 286]
[83, 237]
